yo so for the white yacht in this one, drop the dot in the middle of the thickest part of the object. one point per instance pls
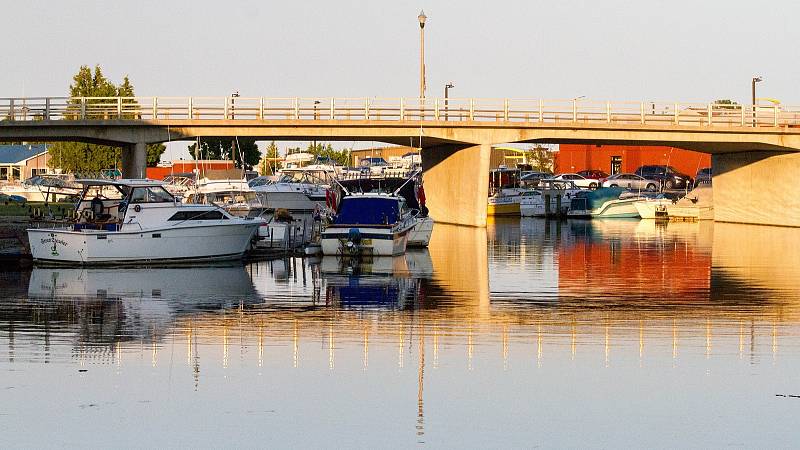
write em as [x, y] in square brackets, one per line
[299, 190]
[549, 198]
[43, 188]
[369, 225]
[233, 194]
[138, 221]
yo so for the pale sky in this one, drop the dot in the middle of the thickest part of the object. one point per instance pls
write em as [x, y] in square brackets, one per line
[696, 50]
[606, 50]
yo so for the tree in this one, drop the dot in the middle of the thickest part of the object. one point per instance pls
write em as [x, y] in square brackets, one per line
[726, 101]
[540, 158]
[270, 161]
[78, 157]
[341, 157]
[222, 148]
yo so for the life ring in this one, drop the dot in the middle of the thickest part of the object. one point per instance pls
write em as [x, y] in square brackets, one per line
[137, 208]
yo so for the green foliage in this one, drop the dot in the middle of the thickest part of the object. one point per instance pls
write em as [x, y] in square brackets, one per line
[78, 157]
[540, 159]
[341, 157]
[222, 148]
[726, 101]
[269, 163]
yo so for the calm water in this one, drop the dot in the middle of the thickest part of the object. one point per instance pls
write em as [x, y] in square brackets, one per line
[529, 333]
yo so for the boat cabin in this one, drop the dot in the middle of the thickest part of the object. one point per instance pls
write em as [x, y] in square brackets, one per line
[372, 210]
[121, 204]
[503, 178]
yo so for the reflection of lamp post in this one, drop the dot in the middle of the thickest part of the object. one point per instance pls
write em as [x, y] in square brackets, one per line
[447, 88]
[422, 17]
[756, 79]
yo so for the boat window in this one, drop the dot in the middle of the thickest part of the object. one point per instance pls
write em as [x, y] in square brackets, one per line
[106, 191]
[209, 214]
[151, 194]
[368, 211]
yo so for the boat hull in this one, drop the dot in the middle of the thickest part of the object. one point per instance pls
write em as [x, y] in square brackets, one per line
[373, 241]
[184, 244]
[653, 209]
[614, 209]
[420, 235]
[504, 207]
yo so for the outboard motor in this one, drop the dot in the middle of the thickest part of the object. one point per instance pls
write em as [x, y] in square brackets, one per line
[354, 241]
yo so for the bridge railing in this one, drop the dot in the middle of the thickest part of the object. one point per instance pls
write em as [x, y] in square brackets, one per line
[544, 111]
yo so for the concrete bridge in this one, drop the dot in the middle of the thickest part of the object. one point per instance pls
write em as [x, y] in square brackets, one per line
[754, 149]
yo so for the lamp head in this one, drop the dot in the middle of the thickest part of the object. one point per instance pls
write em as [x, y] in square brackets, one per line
[757, 79]
[422, 17]
[449, 85]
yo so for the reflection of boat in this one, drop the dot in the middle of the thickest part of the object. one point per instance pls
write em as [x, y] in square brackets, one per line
[133, 221]
[610, 202]
[549, 198]
[368, 224]
[381, 281]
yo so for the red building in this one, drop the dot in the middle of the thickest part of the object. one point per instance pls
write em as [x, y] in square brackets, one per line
[187, 166]
[627, 158]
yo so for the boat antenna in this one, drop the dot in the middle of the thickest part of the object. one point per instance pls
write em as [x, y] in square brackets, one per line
[341, 186]
[241, 158]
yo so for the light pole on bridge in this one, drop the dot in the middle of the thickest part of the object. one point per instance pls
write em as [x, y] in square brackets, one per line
[447, 88]
[422, 17]
[756, 79]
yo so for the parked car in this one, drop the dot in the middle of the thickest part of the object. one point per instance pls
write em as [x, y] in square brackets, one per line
[593, 174]
[703, 176]
[668, 177]
[631, 181]
[580, 181]
[532, 178]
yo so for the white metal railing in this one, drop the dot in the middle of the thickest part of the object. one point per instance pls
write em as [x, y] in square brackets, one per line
[398, 109]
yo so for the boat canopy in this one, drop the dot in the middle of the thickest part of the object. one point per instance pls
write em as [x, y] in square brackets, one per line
[596, 198]
[368, 210]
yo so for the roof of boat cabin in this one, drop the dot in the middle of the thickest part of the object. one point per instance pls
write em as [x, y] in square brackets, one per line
[122, 182]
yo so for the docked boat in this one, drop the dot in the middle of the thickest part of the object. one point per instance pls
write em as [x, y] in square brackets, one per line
[43, 188]
[653, 208]
[369, 225]
[420, 235]
[550, 198]
[698, 204]
[505, 192]
[610, 202]
[298, 190]
[232, 194]
[138, 221]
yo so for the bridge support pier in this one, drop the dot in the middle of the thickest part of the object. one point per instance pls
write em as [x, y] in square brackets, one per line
[134, 160]
[757, 187]
[457, 183]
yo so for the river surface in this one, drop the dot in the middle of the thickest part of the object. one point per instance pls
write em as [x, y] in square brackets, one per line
[528, 333]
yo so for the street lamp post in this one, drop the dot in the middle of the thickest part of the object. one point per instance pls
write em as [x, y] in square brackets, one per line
[316, 102]
[422, 17]
[447, 88]
[756, 79]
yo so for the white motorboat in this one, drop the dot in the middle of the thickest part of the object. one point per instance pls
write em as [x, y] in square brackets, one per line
[505, 192]
[297, 190]
[369, 225]
[232, 194]
[549, 198]
[610, 202]
[696, 205]
[653, 208]
[138, 221]
[43, 188]
[420, 235]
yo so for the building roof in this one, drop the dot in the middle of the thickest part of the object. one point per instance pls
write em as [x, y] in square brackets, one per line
[15, 154]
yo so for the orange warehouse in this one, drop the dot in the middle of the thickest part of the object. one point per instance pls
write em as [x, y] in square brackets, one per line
[187, 166]
[627, 158]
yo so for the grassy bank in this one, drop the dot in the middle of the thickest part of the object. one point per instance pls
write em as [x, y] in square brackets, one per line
[28, 209]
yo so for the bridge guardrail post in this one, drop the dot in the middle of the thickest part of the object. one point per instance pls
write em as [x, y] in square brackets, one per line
[472, 109]
[541, 110]
[641, 112]
[402, 109]
[47, 108]
[608, 112]
[260, 108]
[83, 108]
[366, 109]
[225, 109]
[505, 110]
[190, 110]
[741, 108]
[574, 110]
[155, 108]
[119, 108]
[775, 116]
[436, 109]
[333, 109]
[710, 114]
[296, 108]
[677, 114]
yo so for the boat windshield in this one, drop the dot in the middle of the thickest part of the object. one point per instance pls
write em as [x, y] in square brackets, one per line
[368, 211]
[304, 176]
[103, 191]
[151, 194]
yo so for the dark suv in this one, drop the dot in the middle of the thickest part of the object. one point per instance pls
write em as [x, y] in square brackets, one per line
[668, 176]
